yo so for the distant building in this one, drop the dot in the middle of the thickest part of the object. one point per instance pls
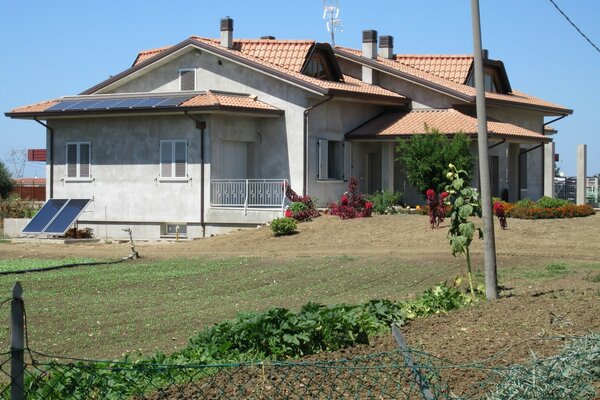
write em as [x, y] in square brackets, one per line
[30, 188]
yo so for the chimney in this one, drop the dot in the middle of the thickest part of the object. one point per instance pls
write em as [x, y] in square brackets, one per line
[227, 32]
[485, 54]
[386, 46]
[369, 44]
[369, 50]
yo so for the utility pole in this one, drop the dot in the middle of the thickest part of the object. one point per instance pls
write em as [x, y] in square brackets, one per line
[491, 281]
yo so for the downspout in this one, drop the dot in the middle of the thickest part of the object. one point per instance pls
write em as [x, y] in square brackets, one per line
[305, 158]
[544, 153]
[201, 125]
[51, 160]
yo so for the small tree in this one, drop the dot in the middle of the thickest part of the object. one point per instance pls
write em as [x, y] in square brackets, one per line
[465, 203]
[426, 158]
[6, 182]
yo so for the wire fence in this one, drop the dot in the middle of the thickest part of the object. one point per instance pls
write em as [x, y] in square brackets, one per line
[574, 373]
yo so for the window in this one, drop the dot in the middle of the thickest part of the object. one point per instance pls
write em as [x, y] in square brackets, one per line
[173, 158]
[78, 159]
[334, 159]
[187, 79]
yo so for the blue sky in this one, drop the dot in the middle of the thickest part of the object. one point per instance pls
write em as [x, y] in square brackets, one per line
[62, 47]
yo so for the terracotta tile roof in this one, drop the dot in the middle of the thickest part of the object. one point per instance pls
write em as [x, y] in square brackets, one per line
[208, 99]
[146, 54]
[465, 92]
[221, 100]
[452, 67]
[37, 107]
[287, 58]
[393, 124]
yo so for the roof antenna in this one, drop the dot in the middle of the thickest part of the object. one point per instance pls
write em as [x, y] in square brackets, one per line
[331, 13]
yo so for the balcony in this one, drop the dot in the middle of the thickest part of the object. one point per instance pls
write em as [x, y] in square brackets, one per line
[267, 194]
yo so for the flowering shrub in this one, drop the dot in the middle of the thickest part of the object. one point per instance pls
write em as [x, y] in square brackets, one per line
[567, 211]
[500, 213]
[545, 208]
[353, 204]
[436, 207]
[302, 208]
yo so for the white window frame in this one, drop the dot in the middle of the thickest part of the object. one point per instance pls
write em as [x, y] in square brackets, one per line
[187, 70]
[78, 176]
[323, 173]
[173, 143]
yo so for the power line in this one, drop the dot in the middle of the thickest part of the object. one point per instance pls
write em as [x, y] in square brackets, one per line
[574, 26]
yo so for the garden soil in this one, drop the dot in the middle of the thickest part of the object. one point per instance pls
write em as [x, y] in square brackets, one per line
[505, 331]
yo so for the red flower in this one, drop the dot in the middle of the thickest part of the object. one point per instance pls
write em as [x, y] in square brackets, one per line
[430, 193]
[289, 213]
[344, 200]
[368, 205]
[444, 195]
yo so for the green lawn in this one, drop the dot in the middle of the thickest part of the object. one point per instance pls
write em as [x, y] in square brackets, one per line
[105, 311]
[136, 306]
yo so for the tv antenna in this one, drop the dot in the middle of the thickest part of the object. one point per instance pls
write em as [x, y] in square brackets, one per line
[16, 159]
[331, 13]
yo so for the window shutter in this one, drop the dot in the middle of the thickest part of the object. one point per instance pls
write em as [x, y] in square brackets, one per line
[166, 154]
[84, 160]
[72, 160]
[188, 79]
[347, 160]
[180, 158]
[323, 159]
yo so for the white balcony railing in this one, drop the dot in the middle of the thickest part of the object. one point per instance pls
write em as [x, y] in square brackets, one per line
[248, 193]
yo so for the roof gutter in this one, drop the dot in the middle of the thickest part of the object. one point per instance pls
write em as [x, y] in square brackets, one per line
[51, 159]
[305, 158]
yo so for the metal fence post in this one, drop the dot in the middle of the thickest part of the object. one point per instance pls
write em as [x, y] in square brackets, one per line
[410, 363]
[17, 344]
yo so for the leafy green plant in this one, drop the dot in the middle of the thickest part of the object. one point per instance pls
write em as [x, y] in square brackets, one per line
[15, 207]
[385, 202]
[426, 158]
[283, 226]
[298, 206]
[465, 203]
[550, 202]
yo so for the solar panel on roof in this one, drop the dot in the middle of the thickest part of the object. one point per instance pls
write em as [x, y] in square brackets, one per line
[55, 217]
[151, 102]
[67, 215]
[128, 103]
[63, 105]
[118, 104]
[104, 104]
[174, 101]
[82, 105]
[44, 216]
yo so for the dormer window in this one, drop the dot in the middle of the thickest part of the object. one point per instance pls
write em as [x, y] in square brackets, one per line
[321, 64]
[187, 79]
[489, 82]
[316, 68]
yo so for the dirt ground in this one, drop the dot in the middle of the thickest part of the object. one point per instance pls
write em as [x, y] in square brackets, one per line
[400, 236]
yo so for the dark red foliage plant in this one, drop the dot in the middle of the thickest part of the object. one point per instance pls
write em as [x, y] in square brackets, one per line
[304, 215]
[501, 214]
[353, 204]
[436, 207]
